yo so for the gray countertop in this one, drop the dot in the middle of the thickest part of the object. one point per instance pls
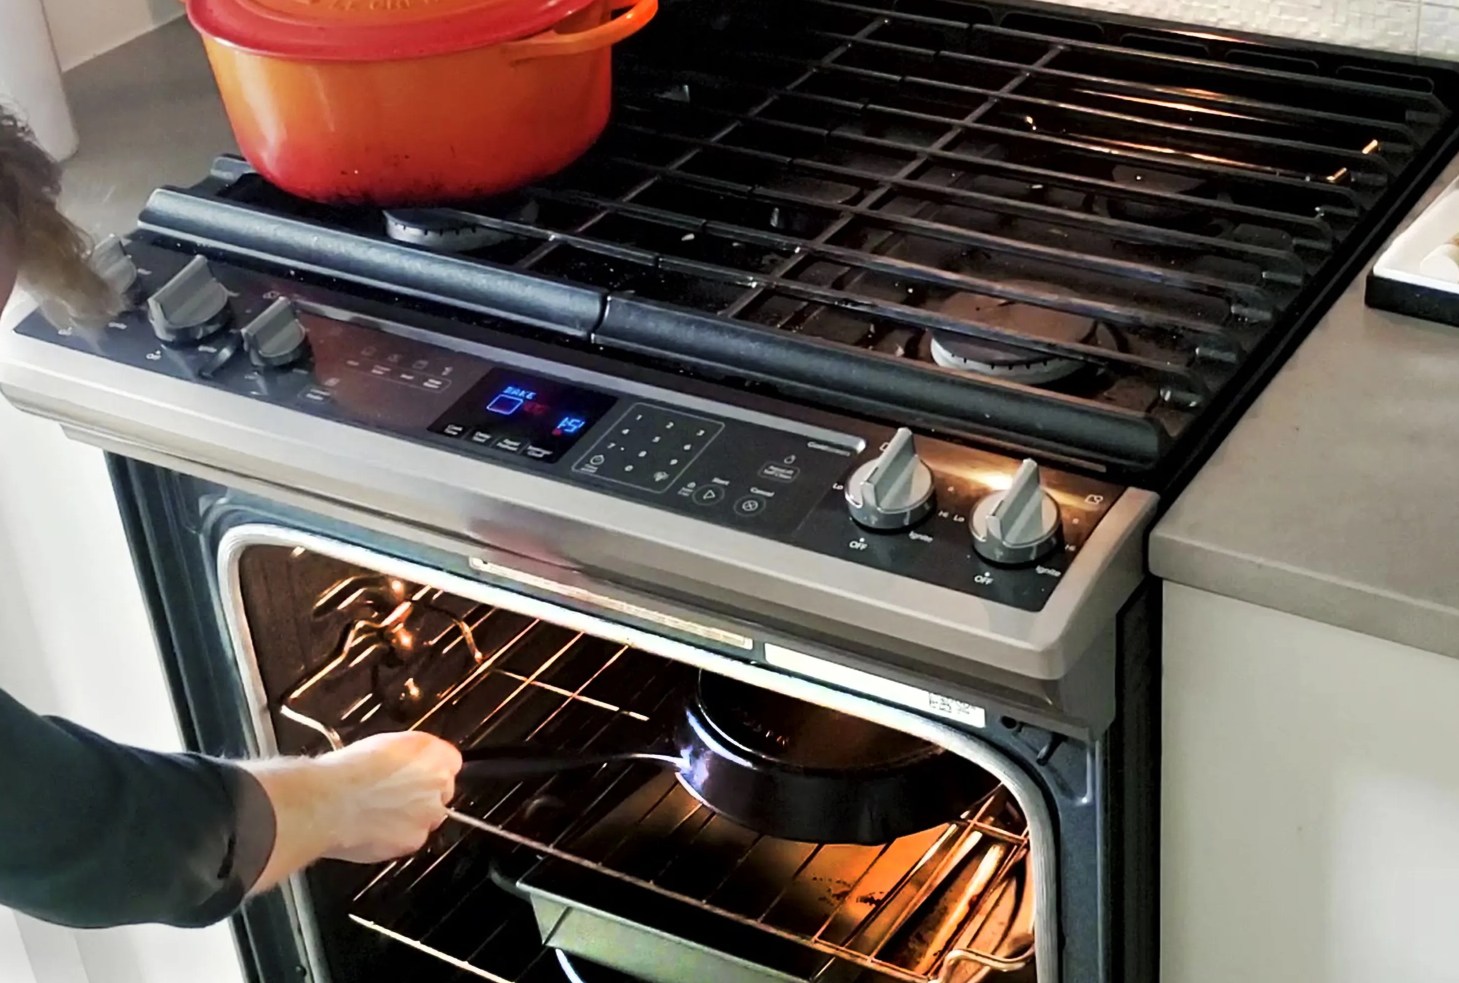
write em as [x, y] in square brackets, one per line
[1330, 500]
[147, 114]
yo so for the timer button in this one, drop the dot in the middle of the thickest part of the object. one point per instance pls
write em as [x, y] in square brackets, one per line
[275, 339]
[750, 505]
[189, 307]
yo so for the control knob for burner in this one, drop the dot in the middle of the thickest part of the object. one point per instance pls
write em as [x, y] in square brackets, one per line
[109, 260]
[1020, 525]
[894, 491]
[275, 339]
[189, 307]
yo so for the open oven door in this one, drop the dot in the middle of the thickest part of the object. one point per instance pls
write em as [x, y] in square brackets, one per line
[288, 632]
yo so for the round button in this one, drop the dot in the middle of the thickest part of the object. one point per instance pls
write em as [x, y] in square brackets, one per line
[709, 495]
[750, 505]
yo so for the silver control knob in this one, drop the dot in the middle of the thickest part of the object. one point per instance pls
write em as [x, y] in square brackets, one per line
[895, 490]
[275, 339]
[1017, 526]
[189, 307]
[116, 269]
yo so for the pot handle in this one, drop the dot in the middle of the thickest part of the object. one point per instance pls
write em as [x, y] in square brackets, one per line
[551, 44]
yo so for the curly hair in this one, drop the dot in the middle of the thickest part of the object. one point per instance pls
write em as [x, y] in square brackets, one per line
[52, 250]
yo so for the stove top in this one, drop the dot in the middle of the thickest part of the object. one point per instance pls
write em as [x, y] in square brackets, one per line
[1082, 239]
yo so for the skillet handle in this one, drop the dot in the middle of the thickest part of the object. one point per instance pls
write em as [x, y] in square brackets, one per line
[551, 44]
[515, 761]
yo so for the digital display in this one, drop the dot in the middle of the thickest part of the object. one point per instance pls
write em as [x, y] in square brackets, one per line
[515, 413]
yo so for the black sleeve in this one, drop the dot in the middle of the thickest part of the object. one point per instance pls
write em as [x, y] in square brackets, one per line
[95, 833]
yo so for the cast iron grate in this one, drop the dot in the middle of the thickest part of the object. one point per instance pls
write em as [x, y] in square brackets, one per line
[1084, 238]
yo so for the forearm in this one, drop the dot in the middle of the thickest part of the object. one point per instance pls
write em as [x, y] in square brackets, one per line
[95, 833]
[305, 832]
[375, 800]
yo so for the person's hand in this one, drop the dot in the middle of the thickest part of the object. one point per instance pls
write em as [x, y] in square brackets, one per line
[376, 800]
[386, 794]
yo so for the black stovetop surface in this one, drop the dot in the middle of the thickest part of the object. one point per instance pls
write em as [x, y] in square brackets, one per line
[1123, 227]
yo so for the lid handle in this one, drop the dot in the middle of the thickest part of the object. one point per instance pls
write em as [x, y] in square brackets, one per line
[551, 44]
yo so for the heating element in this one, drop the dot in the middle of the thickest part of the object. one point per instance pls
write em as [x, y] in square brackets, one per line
[1082, 237]
[950, 904]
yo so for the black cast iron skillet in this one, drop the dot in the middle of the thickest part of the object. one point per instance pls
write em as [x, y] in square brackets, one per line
[785, 768]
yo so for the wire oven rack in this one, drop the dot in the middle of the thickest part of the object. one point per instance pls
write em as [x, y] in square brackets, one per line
[949, 904]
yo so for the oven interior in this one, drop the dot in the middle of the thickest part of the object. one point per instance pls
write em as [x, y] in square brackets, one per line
[615, 866]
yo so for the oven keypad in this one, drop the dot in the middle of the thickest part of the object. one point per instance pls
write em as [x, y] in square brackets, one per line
[649, 447]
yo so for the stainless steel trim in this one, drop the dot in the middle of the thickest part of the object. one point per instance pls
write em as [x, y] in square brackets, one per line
[614, 605]
[569, 526]
[1043, 848]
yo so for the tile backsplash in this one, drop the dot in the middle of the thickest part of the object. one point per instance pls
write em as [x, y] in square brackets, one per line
[1429, 27]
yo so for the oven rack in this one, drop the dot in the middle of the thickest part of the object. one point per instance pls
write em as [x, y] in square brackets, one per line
[472, 672]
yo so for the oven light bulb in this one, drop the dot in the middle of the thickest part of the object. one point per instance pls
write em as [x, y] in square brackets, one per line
[398, 586]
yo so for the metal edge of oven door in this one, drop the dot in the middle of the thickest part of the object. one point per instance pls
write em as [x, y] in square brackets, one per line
[237, 540]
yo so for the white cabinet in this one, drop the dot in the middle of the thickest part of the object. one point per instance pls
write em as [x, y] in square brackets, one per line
[1310, 801]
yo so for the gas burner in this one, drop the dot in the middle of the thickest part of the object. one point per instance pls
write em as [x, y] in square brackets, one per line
[990, 358]
[1157, 212]
[448, 231]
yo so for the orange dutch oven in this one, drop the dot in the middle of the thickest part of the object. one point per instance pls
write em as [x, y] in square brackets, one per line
[400, 102]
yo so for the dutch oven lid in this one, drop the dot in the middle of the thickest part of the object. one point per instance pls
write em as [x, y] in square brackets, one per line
[374, 30]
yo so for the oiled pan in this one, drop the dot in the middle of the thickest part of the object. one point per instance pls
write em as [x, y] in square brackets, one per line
[786, 768]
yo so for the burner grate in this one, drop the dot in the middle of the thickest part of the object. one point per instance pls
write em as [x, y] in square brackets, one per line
[796, 194]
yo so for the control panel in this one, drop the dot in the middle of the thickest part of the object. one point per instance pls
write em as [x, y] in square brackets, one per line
[942, 513]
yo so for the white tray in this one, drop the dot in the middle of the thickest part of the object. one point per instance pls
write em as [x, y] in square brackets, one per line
[1396, 282]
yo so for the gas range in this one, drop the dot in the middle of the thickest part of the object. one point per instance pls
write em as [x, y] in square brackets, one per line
[794, 334]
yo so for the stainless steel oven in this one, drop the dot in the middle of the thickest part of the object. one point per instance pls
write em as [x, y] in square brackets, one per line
[851, 365]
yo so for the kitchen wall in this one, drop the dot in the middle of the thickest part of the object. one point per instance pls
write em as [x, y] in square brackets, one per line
[83, 29]
[1428, 27]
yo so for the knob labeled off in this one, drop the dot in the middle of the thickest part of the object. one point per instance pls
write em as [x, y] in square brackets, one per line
[1018, 526]
[894, 491]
